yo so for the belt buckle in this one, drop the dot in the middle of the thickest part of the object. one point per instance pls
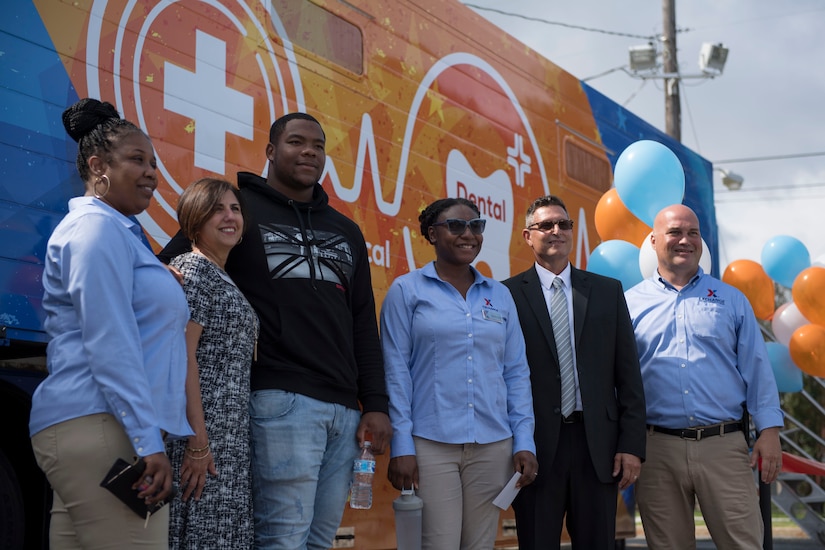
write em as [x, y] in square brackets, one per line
[570, 419]
[696, 437]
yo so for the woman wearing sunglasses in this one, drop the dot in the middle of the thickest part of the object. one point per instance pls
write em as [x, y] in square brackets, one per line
[459, 385]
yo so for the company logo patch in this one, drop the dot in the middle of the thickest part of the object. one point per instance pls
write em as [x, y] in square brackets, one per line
[712, 298]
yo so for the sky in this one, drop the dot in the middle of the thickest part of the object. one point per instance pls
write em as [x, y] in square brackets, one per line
[769, 101]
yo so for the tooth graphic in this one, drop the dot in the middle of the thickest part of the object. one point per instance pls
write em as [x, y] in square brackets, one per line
[494, 197]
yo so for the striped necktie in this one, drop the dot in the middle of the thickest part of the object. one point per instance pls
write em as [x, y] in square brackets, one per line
[561, 333]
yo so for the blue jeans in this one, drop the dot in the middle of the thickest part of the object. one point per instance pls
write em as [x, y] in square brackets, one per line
[302, 454]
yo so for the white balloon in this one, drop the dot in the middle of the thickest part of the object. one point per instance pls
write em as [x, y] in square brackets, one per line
[786, 319]
[647, 258]
[705, 261]
[819, 261]
[648, 261]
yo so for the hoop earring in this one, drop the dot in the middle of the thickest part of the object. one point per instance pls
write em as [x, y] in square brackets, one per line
[105, 178]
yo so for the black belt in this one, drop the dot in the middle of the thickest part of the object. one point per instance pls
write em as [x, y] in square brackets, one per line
[575, 417]
[698, 433]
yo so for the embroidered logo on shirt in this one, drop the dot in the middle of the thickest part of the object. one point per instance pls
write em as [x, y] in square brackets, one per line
[712, 298]
[487, 302]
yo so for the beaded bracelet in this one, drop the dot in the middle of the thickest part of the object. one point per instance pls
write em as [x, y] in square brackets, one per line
[202, 449]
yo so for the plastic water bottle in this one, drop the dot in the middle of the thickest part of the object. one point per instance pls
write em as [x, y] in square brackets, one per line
[408, 520]
[363, 470]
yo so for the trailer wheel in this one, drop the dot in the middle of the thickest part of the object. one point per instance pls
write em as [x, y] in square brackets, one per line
[12, 516]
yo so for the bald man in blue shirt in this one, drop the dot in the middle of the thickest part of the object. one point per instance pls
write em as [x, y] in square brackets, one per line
[703, 362]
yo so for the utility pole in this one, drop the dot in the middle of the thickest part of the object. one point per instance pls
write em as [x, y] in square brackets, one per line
[673, 105]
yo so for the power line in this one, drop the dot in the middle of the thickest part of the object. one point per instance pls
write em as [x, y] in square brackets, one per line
[771, 157]
[605, 73]
[796, 187]
[720, 199]
[567, 25]
[754, 194]
[692, 125]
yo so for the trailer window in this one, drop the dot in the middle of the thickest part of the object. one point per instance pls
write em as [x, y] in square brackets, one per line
[585, 167]
[321, 32]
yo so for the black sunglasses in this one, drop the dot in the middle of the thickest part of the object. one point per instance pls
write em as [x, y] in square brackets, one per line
[548, 225]
[458, 227]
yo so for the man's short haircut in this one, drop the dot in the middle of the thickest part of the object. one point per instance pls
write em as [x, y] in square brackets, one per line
[279, 126]
[541, 202]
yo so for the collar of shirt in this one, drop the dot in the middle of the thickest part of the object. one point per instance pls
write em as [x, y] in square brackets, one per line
[429, 271]
[546, 276]
[667, 286]
[95, 203]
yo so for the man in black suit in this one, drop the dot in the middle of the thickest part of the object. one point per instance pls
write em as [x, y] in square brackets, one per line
[587, 394]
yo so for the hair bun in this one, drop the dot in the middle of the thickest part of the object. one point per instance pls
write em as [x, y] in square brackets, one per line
[86, 115]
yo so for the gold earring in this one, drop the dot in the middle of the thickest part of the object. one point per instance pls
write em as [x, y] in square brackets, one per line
[105, 178]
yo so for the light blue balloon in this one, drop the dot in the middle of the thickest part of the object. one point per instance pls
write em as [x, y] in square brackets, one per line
[618, 259]
[788, 376]
[648, 176]
[783, 258]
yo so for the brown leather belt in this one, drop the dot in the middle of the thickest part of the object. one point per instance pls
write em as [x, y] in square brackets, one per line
[698, 433]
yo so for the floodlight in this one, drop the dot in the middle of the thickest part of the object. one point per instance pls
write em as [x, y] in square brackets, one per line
[731, 180]
[712, 57]
[643, 58]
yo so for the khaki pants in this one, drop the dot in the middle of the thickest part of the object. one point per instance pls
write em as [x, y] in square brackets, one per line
[458, 484]
[714, 471]
[75, 456]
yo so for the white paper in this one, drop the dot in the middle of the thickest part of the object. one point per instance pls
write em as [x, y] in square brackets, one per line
[506, 496]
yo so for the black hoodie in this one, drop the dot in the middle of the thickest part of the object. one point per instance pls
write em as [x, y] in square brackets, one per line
[304, 269]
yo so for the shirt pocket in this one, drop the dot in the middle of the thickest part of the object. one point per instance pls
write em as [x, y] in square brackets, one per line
[710, 322]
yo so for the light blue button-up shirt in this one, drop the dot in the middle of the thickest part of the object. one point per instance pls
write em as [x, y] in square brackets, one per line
[456, 369]
[702, 354]
[116, 318]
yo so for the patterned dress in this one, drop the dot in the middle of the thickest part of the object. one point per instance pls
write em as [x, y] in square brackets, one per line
[223, 516]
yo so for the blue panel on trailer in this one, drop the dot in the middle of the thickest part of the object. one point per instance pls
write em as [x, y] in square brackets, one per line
[21, 301]
[619, 128]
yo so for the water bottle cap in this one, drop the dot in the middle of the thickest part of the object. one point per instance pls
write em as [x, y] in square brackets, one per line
[367, 443]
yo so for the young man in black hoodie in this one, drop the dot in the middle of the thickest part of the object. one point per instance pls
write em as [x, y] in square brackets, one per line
[303, 266]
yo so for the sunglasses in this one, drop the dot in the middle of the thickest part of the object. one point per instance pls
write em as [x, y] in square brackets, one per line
[458, 227]
[548, 225]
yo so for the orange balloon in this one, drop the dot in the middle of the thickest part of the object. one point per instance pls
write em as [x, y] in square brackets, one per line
[807, 348]
[809, 294]
[749, 277]
[615, 221]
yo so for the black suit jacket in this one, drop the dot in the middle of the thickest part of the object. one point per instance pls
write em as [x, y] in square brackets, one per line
[608, 368]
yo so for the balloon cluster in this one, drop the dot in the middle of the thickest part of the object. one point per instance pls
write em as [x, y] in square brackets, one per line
[648, 176]
[799, 325]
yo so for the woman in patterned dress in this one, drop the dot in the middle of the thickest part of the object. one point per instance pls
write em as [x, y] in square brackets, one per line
[214, 509]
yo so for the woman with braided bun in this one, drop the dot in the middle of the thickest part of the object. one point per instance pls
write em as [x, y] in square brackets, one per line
[117, 354]
[460, 400]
